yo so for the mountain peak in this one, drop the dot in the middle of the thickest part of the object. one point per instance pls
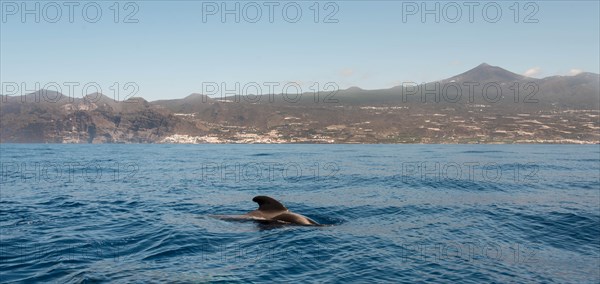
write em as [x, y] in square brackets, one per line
[193, 95]
[486, 73]
[198, 97]
[354, 89]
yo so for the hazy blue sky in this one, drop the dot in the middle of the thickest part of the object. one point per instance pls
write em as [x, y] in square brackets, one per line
[171, 51]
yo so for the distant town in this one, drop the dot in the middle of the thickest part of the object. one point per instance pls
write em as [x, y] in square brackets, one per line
[564, 127]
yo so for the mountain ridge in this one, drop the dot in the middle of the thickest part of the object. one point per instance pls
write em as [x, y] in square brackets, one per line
[483, 72]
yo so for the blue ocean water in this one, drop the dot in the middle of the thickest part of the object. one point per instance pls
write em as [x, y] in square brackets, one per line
[396, 213]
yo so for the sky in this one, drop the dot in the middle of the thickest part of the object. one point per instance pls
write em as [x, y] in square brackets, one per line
[170, 49]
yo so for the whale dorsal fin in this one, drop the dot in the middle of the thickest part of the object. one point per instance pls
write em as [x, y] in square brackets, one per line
[266, 203]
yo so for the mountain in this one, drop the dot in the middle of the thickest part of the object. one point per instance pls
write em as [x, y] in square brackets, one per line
[192, 103]
[576, 92]
[95, 118]
[487, 73]
[494, 106]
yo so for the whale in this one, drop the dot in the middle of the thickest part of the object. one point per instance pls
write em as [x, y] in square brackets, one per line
[271, 211]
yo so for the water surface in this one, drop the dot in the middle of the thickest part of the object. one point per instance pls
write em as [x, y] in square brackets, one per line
[408, 213]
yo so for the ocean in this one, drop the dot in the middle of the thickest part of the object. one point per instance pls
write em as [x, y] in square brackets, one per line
[393, 213]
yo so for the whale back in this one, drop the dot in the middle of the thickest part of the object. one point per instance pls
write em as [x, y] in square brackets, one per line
[290, 217]
[266, 203]
[271, 210]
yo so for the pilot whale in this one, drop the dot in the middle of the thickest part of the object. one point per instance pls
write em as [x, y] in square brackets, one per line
[271, 211]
